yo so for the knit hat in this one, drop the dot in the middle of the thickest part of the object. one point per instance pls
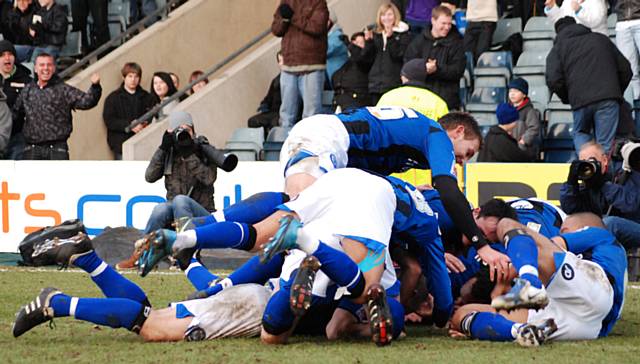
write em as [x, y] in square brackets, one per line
[519, 84]
[179, 117]
[563, 22]
[506, 113]
[416, 71]
[6, 46]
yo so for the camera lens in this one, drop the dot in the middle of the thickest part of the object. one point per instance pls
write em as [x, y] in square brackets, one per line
[586, 170]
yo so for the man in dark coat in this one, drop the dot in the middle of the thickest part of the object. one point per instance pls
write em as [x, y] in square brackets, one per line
[587, 71]
[122, 106]
[499, 145]
[444, 52]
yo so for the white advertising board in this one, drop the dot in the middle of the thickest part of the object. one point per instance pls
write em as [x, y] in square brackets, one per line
[34, 194]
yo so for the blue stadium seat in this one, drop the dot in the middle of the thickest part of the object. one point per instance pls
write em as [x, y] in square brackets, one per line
[246, 143]
[488, 95]
[273, 144]
[505, 28]
[494, 64]
[558, 145]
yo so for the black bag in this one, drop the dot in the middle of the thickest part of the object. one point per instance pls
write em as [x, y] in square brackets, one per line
[31, 242]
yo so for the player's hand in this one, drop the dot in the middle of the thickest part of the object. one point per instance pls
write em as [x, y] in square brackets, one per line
[413, 318]
[454, 264]
[455, 334]
[498, 263]
[95, 78]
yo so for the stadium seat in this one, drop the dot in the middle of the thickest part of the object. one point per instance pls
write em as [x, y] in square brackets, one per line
[558, 145]
[531, 66]
[73, 45]
[463, 91]
[246, 143]
[539, 95]
[485, 118]
[494, 64]
[488, 95]
[537, 45]
[557, 112]
[538, 27]
[505, 28]
[273, 144]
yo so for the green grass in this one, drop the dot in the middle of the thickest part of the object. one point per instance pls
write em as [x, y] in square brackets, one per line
[79, 342]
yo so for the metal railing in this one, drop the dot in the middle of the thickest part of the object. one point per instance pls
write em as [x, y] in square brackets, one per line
[157, 110]
[92, 57]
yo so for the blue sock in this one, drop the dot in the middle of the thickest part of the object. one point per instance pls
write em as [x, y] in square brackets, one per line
[492, 326]
[113, 312]
[255, 208]
[110, 282]
[198, 275]
[252, 272]
[340, 268]
[523, 252]
[226, 235]
[397, 314]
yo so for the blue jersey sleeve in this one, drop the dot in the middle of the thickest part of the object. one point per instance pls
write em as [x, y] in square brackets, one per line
[440, 154]
[585, 239]
[438, 280]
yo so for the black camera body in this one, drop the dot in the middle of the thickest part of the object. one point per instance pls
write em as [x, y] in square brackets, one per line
[587, 169]
[181, 134]
[225, 161]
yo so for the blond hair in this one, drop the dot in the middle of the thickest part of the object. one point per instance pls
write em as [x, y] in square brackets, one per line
[383, 9]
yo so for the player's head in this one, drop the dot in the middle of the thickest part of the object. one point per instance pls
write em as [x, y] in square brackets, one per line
[464, 132]
[488, 215]
[301, 175]
[580, 220]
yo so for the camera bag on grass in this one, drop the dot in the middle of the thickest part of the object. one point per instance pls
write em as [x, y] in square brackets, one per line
[40, 237]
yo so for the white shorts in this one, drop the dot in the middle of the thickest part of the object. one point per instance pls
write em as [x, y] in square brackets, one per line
[351, 203]
[580, 297]
[234, 312]
[322, 135]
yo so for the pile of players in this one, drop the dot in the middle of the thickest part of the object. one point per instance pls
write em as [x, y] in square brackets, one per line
[506, 271]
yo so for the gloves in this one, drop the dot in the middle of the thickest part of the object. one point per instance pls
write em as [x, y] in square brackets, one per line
[572, 178]
[167, 141]
[597, 181]
[285, 11]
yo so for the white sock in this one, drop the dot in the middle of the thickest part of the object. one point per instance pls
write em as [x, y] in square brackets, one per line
[306, 242]
[184, 240]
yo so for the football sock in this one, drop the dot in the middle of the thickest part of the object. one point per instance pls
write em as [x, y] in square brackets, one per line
[199, 275]
[255, 208]
[523, 252]
[110, 282]
[226, 234]
[491, 326]
[397, 314]
[340, 268]
[113, 312]
[250, 272]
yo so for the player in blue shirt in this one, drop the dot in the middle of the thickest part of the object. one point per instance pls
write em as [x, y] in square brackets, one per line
[583, 270]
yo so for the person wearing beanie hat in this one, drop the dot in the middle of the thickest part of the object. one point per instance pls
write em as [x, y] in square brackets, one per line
[414, 93]
[499, 145]
[527, 130]
[180, 161]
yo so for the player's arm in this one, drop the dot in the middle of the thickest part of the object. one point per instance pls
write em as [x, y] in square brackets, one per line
[583, 240]
[438, 282]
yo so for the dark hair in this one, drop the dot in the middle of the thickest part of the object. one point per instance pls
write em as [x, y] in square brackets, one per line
[481, 289]
[195, 74]
[166, 78]
[471, 127]
[44, 55]
[356, 35]
[131, 67]
[498, 208]
[440, 10]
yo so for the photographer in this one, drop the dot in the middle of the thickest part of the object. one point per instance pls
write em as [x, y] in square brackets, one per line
[180, 159]
[591, 187]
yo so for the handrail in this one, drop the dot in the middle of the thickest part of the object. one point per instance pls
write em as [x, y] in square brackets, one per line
[162, 13]
[158, 108]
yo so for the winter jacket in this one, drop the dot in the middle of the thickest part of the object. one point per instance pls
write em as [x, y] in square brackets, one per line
[273, 99]
[12, 86]
[188, 175]
[47, 111]
[584, 67]
[386, 58]
[16, 25]
[5, 124]
[628, 10]
[53, 28]
[337, 53]
[499, 146]
[528, 128]
[304, 37]
[351, 82]
[592, 14]
[420, 10]
[120, 109]
[450, 59]
[416, 97]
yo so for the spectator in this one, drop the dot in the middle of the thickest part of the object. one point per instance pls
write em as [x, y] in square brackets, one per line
[443, 50]
[413, 93]
[163, 87]
[17, 23]
[628, 41]
[122, 106]
[482, 17]
[142, 8]
[587, 71]
[176, 82]
[351, 82]
[590, 13]
[386, 46]
[418, 15]
[337, 53]
[99, 10]
[5, 125]
[528, 127]
[499, 144]
[49, 27]
[200, 85]
[46, 106]
[302, 24]
[15, 77]
[178, 159]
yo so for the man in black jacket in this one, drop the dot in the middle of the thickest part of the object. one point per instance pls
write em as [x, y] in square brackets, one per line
[586, 70]
[628, 41]
[499, 144]
[46, 106]
[49, 28]
[124, 105]
[444, 52]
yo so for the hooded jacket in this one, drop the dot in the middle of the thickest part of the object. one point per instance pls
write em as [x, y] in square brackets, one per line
[386, 55]
[52, 30]
[628, 10]
[450, 59]
[584, 67]
[17, 24]
[499, 146]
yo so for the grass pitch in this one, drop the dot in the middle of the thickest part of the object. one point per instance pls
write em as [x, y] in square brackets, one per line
[80, 342]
